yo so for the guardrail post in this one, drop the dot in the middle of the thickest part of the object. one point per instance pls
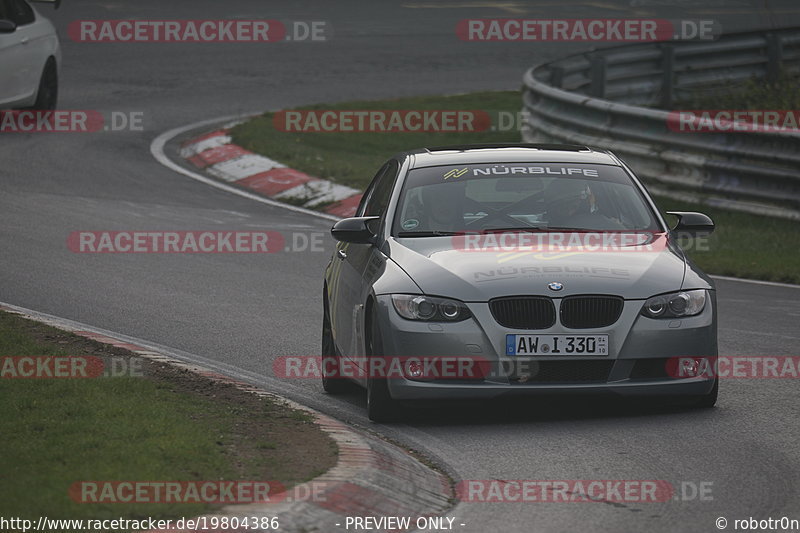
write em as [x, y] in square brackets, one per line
[598, 75]
[667, 75]
[557, 76]
[774, 57]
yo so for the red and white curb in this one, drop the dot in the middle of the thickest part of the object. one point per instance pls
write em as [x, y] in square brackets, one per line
[371, 477]
[215, 154]
[220, 136]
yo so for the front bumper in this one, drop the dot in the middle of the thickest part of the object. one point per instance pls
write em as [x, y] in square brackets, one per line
[639, 349]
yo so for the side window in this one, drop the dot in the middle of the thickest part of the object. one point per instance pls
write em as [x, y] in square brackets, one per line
[20, 12]
[368, 190]
[381, 192]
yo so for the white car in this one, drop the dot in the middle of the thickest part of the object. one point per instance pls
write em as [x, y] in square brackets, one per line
[30, 56]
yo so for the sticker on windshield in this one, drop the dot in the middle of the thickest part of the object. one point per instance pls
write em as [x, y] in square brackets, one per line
[502, 170]
[455, 173]
[410, 224]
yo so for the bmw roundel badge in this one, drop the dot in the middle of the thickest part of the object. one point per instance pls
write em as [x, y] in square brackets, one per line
[555, 286]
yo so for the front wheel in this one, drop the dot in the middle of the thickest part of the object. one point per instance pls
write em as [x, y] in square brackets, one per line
[332, 381]
[381, 407]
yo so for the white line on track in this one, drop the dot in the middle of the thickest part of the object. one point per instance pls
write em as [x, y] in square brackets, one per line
[157, 150]
[186, 357]
[757, 282]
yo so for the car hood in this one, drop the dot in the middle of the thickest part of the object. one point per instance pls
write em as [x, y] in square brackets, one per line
[441, 269]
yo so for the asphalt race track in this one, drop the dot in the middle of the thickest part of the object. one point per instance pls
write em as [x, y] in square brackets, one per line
[244, 310]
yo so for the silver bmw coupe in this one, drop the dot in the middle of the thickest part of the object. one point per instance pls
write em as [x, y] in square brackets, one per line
[485, 270]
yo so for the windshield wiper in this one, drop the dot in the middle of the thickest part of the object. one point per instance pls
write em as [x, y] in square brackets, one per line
[573, 230]
[528, 229]
[427, 233]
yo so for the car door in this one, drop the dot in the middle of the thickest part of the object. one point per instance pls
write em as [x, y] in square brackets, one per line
[9, 81]
[354, 260]
[20, 60]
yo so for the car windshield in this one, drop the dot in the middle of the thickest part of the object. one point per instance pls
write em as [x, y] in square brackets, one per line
[520, 196]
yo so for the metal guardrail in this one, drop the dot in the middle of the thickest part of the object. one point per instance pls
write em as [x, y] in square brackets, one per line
[596, 99]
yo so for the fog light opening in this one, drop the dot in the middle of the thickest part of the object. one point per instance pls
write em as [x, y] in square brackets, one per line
[414, 369]
[690, 368]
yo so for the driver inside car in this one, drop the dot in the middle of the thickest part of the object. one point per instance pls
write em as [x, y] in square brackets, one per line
[571, 204]
[443, 207]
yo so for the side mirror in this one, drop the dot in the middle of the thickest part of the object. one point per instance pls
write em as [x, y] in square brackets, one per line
[692, 224]
[56, 3]
[7, 26]
[355, 230]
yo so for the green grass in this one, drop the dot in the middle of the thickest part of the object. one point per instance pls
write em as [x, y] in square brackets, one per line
[60, 432]
[353, 158]
[56, 432]
[755, 93]
[743, 245]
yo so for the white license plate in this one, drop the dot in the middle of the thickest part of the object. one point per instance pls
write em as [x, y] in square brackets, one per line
[557, 345]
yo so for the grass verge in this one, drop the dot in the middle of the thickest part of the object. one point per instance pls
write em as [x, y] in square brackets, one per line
[353, 158]
[161, 424]
[755, 93]
[743, 245]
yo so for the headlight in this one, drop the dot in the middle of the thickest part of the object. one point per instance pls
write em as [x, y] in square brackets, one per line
[429, 309]
[675, 305]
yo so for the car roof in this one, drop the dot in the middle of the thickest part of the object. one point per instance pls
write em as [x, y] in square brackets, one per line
[509, 153]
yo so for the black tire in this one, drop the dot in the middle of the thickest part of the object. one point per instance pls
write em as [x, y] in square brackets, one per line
[707, 401]
[381, 407]
[47, 94]
[332, 384]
